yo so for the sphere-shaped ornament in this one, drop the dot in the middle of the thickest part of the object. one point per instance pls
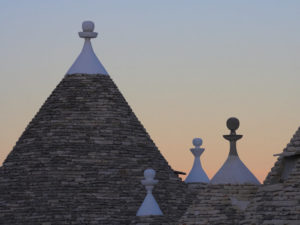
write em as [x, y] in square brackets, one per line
[88, 26]
[233, 123]
[149, 173]
[197, 142]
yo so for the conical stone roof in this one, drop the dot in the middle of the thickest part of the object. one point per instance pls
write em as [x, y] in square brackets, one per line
[81, 161]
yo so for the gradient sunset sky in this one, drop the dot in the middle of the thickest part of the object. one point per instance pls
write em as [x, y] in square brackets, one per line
[183, 66]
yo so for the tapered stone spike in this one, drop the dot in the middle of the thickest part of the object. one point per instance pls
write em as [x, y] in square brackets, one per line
[149, 206]
[197, 174]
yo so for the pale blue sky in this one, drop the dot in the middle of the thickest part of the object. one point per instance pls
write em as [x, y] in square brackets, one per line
[183, 66]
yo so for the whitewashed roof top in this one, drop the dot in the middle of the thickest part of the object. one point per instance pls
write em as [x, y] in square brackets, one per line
[87, 62]
[233, 170]
[197, 174]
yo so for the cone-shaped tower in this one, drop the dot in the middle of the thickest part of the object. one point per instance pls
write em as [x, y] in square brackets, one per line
[233, 170]
[81, 159]
[197, 174]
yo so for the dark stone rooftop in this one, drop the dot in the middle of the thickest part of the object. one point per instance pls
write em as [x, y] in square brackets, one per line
[81, 161]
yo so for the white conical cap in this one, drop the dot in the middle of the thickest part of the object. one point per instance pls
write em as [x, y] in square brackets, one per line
[233, 170]
[197, 173]
[87, 62]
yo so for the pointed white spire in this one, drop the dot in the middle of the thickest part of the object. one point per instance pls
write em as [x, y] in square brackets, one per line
[87, 62]
[233, 170]
[197, 174]
[149, 206]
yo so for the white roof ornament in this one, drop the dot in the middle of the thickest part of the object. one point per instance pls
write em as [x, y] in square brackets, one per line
[197, 174]
[233, 170]
[87, 62]
[149, 206]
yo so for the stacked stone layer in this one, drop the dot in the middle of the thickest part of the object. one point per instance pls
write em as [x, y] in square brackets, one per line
[222, 204]
[276, 204]
[151, 220]
[278, 200]
[292, 148]
[81, 161]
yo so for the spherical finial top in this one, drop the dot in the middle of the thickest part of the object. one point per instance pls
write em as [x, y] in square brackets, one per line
[233, 123]
[197, 142]
[149, 174]
[88, 26]
[88, 30]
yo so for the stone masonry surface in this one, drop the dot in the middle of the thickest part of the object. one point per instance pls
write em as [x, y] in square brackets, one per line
[221, 204]
[277, 202]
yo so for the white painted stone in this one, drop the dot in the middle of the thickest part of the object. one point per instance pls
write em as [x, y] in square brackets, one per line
[234, 171]
[87, 62]
[197, 174]
[149, 206]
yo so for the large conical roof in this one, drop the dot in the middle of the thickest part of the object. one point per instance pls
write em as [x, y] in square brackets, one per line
[81, 161]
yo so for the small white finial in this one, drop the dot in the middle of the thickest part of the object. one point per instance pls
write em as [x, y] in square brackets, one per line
[87, 61]
[197, 174]
[149, 206]
[197, 142]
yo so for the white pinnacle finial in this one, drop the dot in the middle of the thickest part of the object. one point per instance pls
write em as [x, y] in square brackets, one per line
[87, 62]
[149, 206]
[233, 171]
[197, 174]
